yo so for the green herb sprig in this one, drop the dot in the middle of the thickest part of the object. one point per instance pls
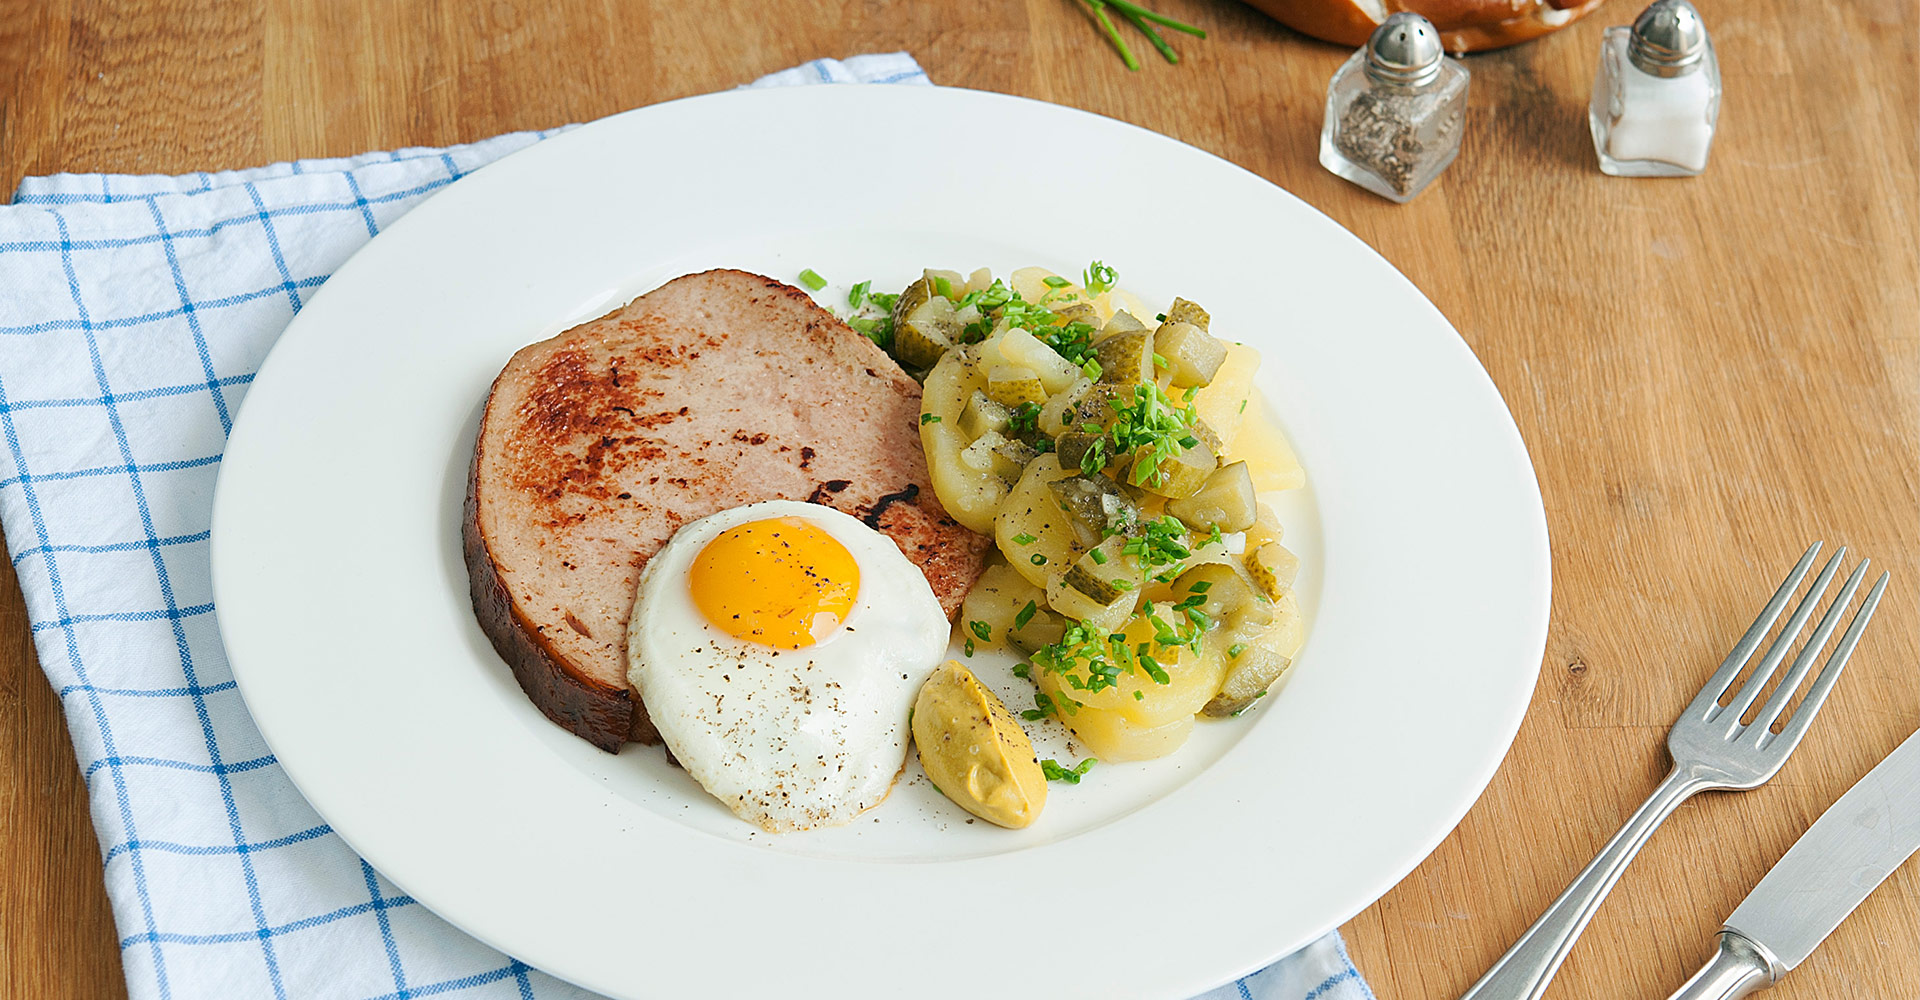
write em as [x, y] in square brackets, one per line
[1144, 20]
[1071, 775]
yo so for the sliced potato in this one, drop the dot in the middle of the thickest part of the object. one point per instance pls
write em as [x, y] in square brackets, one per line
[970, 495]
[1061, 410]
[1224, 402]
[947, 284]
[1022, 348]
[1266, 527]
[1030, 282]
[1266, 450]
[997, 601]
[1122, 322]
[1031, 529]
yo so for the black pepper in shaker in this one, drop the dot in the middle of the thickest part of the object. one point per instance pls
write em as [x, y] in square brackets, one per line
[1395, 110]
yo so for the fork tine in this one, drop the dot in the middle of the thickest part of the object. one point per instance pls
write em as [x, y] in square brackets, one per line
[1707, 702]
[1803, 664]
[1750, 691]
[1796, 727]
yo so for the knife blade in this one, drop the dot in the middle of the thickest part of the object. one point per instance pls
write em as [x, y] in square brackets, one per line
[1859, 841]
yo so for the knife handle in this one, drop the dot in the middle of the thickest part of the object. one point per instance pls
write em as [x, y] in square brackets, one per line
[1739, 968]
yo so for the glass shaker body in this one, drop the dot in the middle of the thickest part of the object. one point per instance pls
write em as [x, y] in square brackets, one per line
[1393, 139]
[1652, 126]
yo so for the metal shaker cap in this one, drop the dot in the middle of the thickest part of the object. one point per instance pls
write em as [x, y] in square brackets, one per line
[1405, 51]
[1669, 39]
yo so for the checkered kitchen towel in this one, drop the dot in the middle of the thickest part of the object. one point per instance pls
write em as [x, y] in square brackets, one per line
[133, 314]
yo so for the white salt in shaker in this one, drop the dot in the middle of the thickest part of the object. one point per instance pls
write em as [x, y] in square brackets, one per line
[1395, 110]
[1656, 95]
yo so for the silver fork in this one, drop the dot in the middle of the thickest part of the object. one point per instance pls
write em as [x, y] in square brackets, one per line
[1711, 750]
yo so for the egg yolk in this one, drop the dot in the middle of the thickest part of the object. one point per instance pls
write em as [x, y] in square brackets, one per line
[783, 582]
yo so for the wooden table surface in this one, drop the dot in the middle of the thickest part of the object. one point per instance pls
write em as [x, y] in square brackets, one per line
[1708, 374]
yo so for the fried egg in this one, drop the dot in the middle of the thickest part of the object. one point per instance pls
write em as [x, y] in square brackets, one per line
[778, 647]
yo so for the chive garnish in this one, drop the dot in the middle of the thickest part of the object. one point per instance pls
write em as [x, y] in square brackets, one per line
[813, 281]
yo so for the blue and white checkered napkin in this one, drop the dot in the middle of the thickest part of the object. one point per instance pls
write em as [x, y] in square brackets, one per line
[134, 313]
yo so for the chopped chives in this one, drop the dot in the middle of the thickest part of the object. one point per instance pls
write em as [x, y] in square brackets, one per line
[812, 280]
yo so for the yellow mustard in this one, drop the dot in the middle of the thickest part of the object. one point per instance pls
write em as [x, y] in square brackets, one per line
[974, 751]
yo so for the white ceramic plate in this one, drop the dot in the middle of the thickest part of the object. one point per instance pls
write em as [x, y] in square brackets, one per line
[343, 601]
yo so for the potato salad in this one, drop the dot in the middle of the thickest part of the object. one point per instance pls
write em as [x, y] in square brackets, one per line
[1117, 456]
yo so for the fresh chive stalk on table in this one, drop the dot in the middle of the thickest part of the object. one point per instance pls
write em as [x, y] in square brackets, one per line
[1140, 18]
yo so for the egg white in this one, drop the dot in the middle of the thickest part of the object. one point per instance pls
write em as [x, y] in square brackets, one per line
[787, 739]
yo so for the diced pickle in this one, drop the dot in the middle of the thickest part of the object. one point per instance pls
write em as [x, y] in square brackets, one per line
[1010, 458]
[912, 297]
[982, 415]
[1122, 322]
[1096, 507]
[1249, 675]
[1095, 406]
[1012, 385]
[1273, 566]
[1228, 595]
[925, 333]
[1126, 358]
[1193, 355]
[1227, 501]
[920, 343]
[1106, 572]
[1180, 474]
[1072, 447]
[1183, 311]
[1085, 610]
[1078, 312]
[992, 452]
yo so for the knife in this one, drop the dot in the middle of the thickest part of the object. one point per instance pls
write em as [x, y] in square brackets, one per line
[1842, 857]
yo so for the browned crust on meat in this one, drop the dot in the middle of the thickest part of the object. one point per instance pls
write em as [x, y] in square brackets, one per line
[603, 716]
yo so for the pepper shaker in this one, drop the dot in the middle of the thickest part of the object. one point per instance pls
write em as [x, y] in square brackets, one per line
[1656, 94]
[1395, 110]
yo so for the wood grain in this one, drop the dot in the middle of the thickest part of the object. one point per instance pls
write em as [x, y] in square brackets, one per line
[1708, 373]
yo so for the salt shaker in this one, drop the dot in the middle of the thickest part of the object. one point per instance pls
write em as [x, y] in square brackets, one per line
[1656, 95]
[1395, 110]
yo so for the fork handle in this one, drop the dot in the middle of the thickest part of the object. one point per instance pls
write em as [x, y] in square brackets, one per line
[1524, 971]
